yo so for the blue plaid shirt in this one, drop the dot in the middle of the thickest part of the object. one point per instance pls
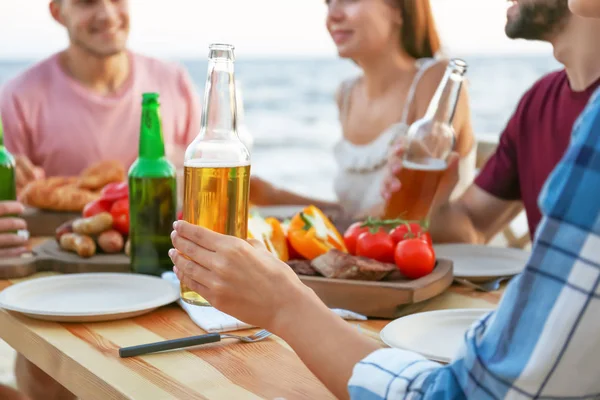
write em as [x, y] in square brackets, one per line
[543, 340]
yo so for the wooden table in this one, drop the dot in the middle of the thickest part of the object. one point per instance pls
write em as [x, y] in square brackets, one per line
[84, 357]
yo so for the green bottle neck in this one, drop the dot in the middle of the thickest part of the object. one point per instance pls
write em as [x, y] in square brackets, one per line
[6, 159]
[152, 145]
[1, 135]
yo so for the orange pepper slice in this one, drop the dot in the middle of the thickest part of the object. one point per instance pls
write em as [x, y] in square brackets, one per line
[312, 234]
[271, 233]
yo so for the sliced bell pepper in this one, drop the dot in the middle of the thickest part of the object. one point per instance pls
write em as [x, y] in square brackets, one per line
[293, 254]
[270, 232]
[312, 234]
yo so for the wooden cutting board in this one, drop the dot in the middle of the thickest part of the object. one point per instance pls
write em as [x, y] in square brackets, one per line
[381, 299]
[44, 223]
[48, 256]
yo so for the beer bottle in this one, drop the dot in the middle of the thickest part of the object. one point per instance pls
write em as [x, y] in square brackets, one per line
[430, 141]
[242, 129]
[217, 164]
[152, 196]
[8, 182]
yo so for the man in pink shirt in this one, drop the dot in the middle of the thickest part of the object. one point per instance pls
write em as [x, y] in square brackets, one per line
[82, 106]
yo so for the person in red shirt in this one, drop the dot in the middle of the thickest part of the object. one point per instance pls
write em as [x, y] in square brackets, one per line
[535, 137]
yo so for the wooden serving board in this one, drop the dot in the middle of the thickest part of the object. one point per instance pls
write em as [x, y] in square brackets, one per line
[382, 299]
[44, 223]
[48, 256]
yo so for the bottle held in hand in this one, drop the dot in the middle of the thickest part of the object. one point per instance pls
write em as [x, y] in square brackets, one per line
[430, 141]
[217, 163]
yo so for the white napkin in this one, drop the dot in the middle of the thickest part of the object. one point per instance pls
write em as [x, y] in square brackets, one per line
[212, 320]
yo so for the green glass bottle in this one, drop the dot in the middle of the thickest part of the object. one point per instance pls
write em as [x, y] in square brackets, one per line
[152, 196]
[8, 182]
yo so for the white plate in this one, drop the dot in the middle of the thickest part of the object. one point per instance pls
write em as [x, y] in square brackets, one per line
[436, 335]
[279, 212]
[88, 297]
[476, 261]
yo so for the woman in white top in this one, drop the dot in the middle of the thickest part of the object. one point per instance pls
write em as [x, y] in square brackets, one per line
[394, 42]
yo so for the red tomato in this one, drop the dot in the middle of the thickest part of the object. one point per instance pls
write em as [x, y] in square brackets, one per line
[405, 231]
[114, 191]
[414, 258]
[120, 214]
[378, 246]
[96, 207]
[351, 236]
[427, 237]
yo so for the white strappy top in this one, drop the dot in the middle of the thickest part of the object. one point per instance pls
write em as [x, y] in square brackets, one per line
[361, 168]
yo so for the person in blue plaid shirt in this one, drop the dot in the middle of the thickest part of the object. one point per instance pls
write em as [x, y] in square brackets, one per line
[542, 342]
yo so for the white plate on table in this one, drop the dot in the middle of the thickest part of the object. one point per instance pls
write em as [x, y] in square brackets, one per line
[436, 335]
[480, 262]
[88, 297]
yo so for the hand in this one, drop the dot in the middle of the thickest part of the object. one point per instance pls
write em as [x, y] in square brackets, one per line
[392, 184]
[262, 193]
[238, 277]
[11, 243]
[26, 172]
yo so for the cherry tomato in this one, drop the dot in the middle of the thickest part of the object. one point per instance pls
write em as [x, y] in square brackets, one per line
[414, 258]
[378, 246]
[96, 207]
[114, 191]
[351, 236]
[427, 237]
[120, 214]
[405, 231]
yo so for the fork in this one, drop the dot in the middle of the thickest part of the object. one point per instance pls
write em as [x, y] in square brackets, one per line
[188, 342]
[489, 286]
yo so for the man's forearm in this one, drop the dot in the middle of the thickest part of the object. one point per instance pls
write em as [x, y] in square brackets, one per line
[451, 223]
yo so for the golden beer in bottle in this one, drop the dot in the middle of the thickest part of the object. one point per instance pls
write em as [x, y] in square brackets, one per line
[430, 141]
[217, 164]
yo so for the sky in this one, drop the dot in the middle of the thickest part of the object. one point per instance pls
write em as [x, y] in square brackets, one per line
[261, 28]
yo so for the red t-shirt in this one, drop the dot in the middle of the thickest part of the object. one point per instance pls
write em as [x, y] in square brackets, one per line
[533, 142]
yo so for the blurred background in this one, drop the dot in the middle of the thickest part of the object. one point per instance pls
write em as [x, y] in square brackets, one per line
[288, 67]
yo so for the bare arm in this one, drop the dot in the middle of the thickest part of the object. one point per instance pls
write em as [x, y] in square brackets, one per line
[263, 193]
[475, 217]
[328, 345]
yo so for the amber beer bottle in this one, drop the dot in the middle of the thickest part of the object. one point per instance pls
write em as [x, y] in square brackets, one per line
[430, 141]
[217, 164]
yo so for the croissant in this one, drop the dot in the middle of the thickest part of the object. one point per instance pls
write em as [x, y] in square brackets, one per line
[99, 175]
[58, 194]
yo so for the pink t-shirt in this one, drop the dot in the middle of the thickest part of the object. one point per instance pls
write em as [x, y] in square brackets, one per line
[64, 127]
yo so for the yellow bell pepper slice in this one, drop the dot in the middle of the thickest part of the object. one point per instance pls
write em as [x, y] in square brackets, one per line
[271, 233]
[312, 234]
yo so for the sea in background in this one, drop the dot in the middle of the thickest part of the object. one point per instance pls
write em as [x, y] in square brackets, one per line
[291, 113]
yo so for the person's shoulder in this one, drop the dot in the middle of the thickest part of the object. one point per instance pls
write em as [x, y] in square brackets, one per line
[546, 84]
[342, 91]
[28, 82]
